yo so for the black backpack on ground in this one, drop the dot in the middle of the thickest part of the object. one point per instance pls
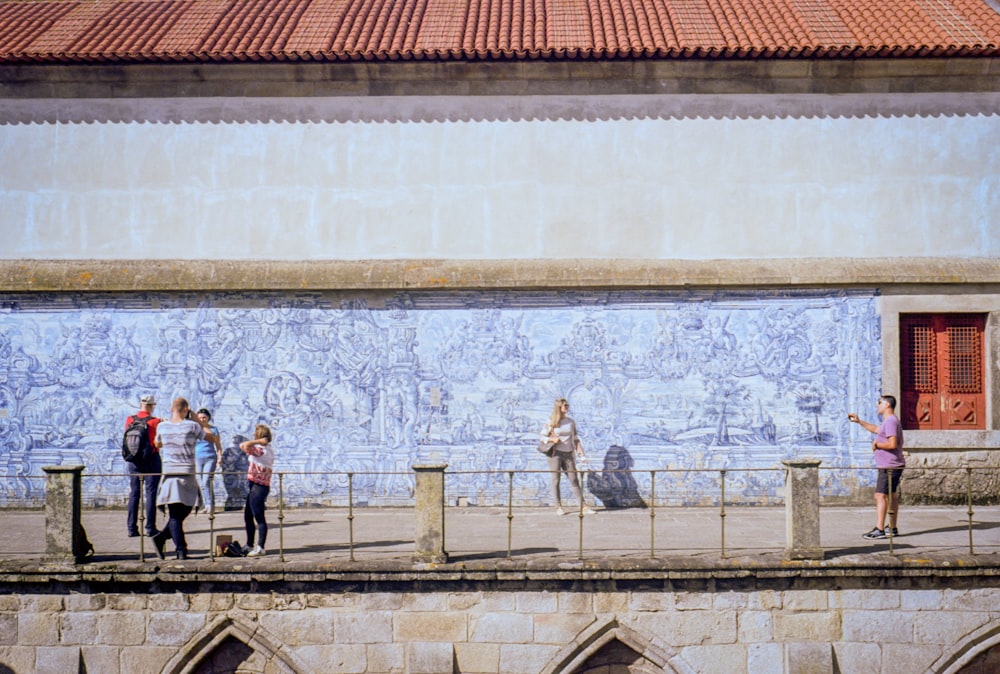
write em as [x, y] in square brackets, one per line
[234, 549]
[135, 443]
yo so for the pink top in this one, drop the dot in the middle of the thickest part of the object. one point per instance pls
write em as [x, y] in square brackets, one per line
[261, 464]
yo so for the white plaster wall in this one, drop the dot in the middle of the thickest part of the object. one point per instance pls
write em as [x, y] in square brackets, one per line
[637, 177]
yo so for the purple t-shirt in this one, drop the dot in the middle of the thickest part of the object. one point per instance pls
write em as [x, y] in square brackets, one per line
[890, 458]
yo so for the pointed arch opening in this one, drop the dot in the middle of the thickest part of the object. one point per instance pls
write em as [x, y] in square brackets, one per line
[232, 645]
[609, 646]
[977, 653]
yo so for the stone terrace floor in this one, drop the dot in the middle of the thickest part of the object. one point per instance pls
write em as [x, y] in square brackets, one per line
[316, 540]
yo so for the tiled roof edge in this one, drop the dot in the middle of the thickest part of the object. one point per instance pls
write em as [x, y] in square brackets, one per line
[167, 31]
[848, 52]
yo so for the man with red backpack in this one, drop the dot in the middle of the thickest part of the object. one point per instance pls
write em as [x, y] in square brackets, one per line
[144, 467]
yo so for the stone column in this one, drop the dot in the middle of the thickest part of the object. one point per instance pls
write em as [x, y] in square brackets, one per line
[63, 503]
[429, 540]
[802, 510]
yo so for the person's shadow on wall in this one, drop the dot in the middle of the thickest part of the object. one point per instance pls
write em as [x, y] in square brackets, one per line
[614, 485]
[234, 474]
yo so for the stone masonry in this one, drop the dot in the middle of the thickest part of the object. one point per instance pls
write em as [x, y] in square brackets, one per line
[559, 623]
[799, 614]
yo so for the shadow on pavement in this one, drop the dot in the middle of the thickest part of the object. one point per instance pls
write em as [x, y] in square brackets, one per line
[199, 528]
[866, 549]
[327, 547]
[976, 526]
[499, 554]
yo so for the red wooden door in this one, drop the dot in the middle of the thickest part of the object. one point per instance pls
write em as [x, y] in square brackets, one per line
[942, 371]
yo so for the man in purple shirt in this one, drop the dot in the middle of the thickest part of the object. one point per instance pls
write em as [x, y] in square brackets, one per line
[888, 448]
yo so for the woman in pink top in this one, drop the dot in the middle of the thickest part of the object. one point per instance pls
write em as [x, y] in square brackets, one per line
[259, 472]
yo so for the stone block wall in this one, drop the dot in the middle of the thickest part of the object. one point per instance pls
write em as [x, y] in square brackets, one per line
[874, 625]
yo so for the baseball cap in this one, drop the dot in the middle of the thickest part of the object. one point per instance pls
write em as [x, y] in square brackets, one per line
[148, 399]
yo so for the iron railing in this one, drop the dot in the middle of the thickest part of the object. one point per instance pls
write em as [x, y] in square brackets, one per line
[506, 490]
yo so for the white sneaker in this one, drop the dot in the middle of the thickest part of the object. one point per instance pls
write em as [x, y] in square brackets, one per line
[256, 552]
[589, 511]
[560, 511]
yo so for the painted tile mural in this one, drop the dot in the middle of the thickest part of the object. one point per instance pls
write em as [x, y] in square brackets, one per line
[371, 384]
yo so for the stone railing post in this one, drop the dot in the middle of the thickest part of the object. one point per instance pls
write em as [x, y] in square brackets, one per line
[63, 503]
[429, 542]
[802, 510]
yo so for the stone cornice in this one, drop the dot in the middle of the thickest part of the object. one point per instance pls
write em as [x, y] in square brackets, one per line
[382, 275]
[427, 78]
[767, 571]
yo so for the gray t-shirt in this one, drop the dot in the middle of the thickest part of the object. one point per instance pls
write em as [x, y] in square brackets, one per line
[179, 439]
[178, 484]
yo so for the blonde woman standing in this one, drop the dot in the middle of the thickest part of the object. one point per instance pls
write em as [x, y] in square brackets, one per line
[561, 430]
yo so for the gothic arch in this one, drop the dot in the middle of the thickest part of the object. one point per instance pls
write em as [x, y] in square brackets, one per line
[230, 633]
[608, 634]
[975, 644]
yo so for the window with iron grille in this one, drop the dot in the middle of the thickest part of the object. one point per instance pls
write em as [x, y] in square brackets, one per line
[942, 371]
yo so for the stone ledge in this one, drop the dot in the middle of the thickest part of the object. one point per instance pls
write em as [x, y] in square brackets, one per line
[762, 570]
[952, 441]
[423, 274]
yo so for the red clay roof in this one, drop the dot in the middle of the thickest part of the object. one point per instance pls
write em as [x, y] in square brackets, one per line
[137, 31]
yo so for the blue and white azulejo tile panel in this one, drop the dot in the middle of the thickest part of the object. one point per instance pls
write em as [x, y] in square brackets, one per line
[668, 381]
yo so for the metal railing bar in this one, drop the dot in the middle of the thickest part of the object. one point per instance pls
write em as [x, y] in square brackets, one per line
[652, 514]
[510, 512]
[281, 516]
[350, 513]
[722, 511]
[142, 520]
[211, 534]
[968, 472]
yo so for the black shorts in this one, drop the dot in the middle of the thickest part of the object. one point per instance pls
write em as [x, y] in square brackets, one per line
[884, 476]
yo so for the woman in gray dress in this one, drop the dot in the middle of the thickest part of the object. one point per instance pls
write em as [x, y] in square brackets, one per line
[178, 492]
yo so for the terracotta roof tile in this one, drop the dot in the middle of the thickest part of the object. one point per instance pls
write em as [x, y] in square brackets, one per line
[220, 30]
